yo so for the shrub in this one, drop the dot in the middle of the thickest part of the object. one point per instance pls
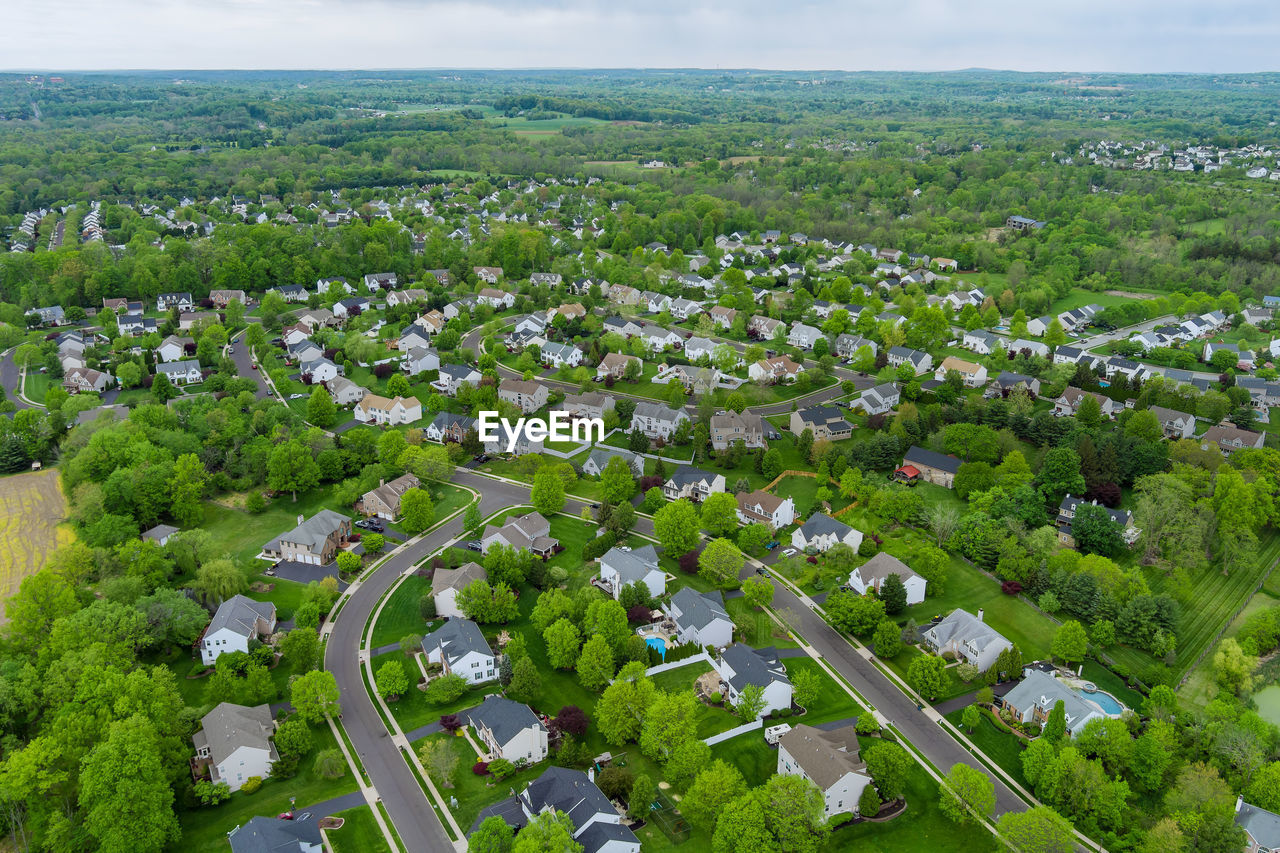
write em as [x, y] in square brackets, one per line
[501, 768]
[867, 724]
[330, 764]
[689, 562]
[868, 548]
[638, 614]
[427, 607]
[1011, 588]
[445, 688]
[255, 503]
[869, 802]
[251, 785]
[480, 768]
[558, 575]
[716, 698]
[450, 722]
[597, 547]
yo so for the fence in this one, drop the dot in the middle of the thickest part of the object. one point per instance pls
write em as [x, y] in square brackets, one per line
[734, 732]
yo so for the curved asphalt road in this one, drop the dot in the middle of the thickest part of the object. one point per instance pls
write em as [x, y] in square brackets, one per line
[10, 378]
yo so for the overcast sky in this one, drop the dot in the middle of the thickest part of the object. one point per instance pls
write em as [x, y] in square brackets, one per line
[926, 35]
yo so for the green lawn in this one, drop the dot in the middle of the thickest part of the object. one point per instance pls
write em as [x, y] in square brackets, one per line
[754, 758]
[952, 685]
[359, 833]
[412, 710]
[204, 829]
[285, 595]
[832, 704]
[241, 535]
[710, 720]
[1002, 747]
[400, 614]
[757, 628]
[35, 385]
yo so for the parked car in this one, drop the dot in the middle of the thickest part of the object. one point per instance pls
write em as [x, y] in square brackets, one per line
[771, 545]
[474, 546]
[481, 457]
[255, 365]
[788, 552]
[371, 524]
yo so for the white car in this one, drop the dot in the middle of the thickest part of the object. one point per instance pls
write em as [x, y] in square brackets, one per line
[788, 552]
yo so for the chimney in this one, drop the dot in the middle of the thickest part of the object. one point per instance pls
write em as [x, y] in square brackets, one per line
[300, 519]
[980, 614]
[381, 482]
[1239, 803]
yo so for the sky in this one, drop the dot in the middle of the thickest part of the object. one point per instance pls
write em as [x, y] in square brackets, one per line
[853, 35]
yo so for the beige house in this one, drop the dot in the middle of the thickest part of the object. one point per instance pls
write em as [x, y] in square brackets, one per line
[762, 507]
[525, 394]
[380, 410]
[315, 541]
[828, 759]
[974, 375]
[384, 501]
[729, 427]
[447, 583]
[615, 364]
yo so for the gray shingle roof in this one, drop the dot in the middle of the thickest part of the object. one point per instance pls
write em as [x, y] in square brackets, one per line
[456, 638]
[315, 530]
[824, 756]
[932, 459]
[1263, 826]
[881, 566]
[505, 718]
[821, 524]
[760, 667]
[240, 614]
[229, 727]
[273, 835]
[699, 609]
[631, 566]
[459, 578]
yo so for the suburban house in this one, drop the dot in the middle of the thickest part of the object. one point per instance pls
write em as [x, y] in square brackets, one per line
[1033, 700]
[384, 501]
[52, 315]
[289, 292]
[928, 465]
[621, 567]
[526, 395]
[529, 532]
[700, 618]
[447, 426]
[1261, 827]
[873, 572]
[981, 341]
[763, 507]
[967, 637]
[420, 360]
[1039, 325]
[879, 400]
[589, 404]
[509, 441]
[86, 380]
[828, 759]
[803, 336]
[409, 296]
[319, 370]
[615, 364]
[447, 583]
[921, 362]
[974, 375]
[315, 541]
[1069, 403]
[344, 392]
[683, 309]
[1231, 438]
[460, 649]
[509, 730]
[454, 376]
[597, 824]
[136, 324]
[569, 311]
[181, 301]
[703, 379]
[259, 834]
[185, 372]
[723, 317]
[600, 456]
[1173, 423]
[378, 281]
[381, 411]
[352, 306]
[847, 345]
[302, 350]
[416, 334]
[729, 427]
[237, 621]
[160, 533]
[656, 420]
[1008, 383]
[235, 741]
[741, 666]
[764, 327]
[777, 369]
[1122, 518]
[187, 320]
[822, 532]
[174, 348]
[315, 318]
[494, 298]
[557, 355]
[692, 483]
[822, 421]
[696, 348]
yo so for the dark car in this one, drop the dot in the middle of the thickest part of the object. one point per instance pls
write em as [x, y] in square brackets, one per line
[481, 457]
[474, 546]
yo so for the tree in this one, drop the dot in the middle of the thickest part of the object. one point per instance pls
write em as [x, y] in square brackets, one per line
[970, 717]
[563, 641]
[549, 832]
[720, 514]
[494, 835]
[186, 490]
[125, 790]
[1039, 829]
[973, 477]
[926, 674]
[417, 510]
[218, 580]
[595, 663]
[471, 518]
[893, 592]
[1095, 532]
[751, 702]
[1232, 668]
[293, 738]
[320, 408]
[392, 680]
[757, 591]
[129, 374]
[752, 538]
[676, 526]
[771, 463]
[525, 680]
[889, 765]
[855, 614]
[1055, 727]
[617, 481]
[643, 793]
[1089, 412]
[291, 468]
[1070, 642]
[714, 788]
[374, 543]
[315, 696]
[301, 649]
[1204, 807]
[686, 762]
[967, 789]
[1264, 790]
[162, 389]
[786, 813]
[624, 705]
[1060, 474]
[444, 689]
[440, 759]
[720, 562]
[547, 495]
[669, 722]
[887, 640]
[572, 720]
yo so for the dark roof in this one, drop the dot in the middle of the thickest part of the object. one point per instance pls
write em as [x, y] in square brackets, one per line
[272, 835]
[600, 833]
[700, 609]
[753, 666]
[919, 456]
[687, 475]
[503, 717]
[457, 637]
[510, 810]
[569, 791]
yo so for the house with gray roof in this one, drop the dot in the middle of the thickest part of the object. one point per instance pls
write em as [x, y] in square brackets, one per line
[447, 426]
[235, 743]
[803, 336]
[315, 541]
[967, 637]
[692, 483]
[454, 376]
[237, 621]
[597, 823]
[880, 399]
[701, 618]
[822, 532]
[345, 392]
[656, 420]
[1034, 698]
[509, 730]
[460, 649]
[921, 362]
[828, 759]
[183, 372]
[599, 457]
[557, 355]
[530, 532]
[276, 835]
[1261, 827]
[621, 567]
[929, 465]
[447, 583]
[741, 666]
[159, 534]
[871, 574]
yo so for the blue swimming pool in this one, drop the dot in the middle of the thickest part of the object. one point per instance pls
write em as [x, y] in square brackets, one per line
[657, 643]
[1108, 703]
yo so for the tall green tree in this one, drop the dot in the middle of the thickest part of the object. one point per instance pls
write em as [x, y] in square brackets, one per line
[125, 792]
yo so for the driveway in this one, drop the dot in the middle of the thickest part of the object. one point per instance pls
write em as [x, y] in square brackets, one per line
[244, 367]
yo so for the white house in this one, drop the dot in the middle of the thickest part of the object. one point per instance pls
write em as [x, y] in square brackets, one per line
[460, 648]
[555, 355]
[453, 376]
[966, 636]
[597, 824]
[921, 362]
[173, 348]
[692, 483]
[509, 730]
[237, 621]
[656, 420]
[828, 759]
[420, 360]
[872, 573]
[185, 372]
[823, 532]
[973, 375]
[772, 510]
[319, 370]
[621, 567]
[447, 583]
[803, 336]
[741, 666]
[235, 741]
[701, 618]
[344, 392]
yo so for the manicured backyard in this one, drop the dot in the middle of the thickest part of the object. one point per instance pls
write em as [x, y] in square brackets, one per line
[359, 833]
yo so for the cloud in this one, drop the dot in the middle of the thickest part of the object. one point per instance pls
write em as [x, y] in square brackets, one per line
[1089, 35]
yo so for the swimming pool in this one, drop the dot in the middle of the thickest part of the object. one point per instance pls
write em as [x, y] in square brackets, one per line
[657, 643]
[1108, 703]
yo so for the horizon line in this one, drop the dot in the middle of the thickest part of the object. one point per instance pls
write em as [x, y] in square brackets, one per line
[597, 68]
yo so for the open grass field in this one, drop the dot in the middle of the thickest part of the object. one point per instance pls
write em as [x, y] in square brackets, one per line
[359, 833]
[241, 535]
[400, 614]
[1211, 227]
[204, 830]
[32, 507]
[1200, 687]
[1212, 603]
[1077, 298]
[35, 385]
[522, 126]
